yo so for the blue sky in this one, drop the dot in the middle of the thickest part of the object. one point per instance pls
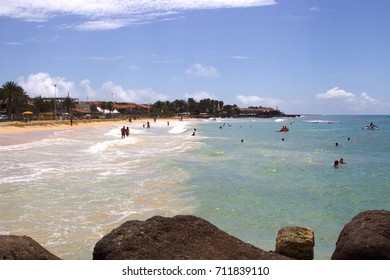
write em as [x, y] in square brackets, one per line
[302, 56]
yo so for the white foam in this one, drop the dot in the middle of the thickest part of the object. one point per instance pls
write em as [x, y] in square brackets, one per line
[280, 120]
[319, 121]
[178, 129]
[103, 146]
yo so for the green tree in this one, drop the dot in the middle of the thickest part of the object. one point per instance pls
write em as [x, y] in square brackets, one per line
[93, 108]
[69, 103]
[103, 106]
[110, 107]
[42, 104]
[14, 96]
[193, 106]
[180, 106]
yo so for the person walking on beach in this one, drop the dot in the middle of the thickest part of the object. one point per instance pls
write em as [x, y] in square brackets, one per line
[123, 132]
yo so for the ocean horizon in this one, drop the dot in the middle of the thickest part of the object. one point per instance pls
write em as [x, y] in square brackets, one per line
[73, 187]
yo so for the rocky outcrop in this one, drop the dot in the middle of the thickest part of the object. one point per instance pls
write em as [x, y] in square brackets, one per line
[14, 247]
[295, 242]
[177, 238]
[365, 237]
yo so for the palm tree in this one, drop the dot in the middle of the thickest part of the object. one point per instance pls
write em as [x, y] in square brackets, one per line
[193, 106]
[14, 97]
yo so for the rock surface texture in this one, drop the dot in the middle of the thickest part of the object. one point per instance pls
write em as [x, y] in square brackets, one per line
[365, 237]
[295, 242]
[177, 238]
[14, 247]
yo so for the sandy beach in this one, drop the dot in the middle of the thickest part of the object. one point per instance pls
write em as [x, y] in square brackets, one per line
[13, 133]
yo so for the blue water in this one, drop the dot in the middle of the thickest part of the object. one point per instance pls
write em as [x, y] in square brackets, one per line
[70, 189]
[254, 188]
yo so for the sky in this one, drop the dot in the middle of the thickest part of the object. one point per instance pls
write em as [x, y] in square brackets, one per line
[301, 56]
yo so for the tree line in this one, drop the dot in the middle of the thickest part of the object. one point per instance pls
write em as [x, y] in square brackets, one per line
[15, 100]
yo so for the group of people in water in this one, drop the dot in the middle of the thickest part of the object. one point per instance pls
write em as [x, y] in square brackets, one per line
[337, 163]
[125, 132]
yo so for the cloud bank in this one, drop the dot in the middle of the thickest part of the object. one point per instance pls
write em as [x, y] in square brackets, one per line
[113, 14]
[340, 101]
[42, 84]
[341, 95]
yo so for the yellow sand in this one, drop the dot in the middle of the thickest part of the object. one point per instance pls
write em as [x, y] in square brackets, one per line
[15, 127]
[19, 132]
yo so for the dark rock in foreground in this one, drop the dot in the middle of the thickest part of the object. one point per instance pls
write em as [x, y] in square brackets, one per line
[295, 242]
[365, 237]
[14, 247]
[177, 238]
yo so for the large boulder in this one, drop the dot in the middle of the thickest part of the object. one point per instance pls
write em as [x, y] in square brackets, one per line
[295, 242]
[365, 237]
[14, 247]
[177, 238]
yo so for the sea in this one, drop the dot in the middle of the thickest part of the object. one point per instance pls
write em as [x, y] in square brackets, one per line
[71, 188]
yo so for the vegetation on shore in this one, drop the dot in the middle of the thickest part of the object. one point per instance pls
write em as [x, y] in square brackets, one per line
[14, 100]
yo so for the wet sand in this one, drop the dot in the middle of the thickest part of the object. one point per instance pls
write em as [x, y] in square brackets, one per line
[13, 133]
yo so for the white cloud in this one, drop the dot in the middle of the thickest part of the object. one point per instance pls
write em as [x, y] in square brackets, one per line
[87, 89]
[200, 95]
[338, 100]
[336, 93]
[131, 95]
[366, 99]
[253, 100]
[112, 14]
[198, 69]
[46, 86]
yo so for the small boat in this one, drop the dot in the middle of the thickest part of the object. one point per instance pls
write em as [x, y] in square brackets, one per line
[283, 129]
[368, 127]
[372, 126]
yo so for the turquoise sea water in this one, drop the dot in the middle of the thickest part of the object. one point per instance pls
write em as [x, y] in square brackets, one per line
[75, 186]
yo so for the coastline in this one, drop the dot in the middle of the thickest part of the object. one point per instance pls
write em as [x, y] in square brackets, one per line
[13, 133]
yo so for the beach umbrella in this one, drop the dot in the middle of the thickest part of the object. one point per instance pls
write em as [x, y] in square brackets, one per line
[27, 113]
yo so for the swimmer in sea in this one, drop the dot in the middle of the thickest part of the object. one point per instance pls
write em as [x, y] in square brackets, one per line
[336, 164]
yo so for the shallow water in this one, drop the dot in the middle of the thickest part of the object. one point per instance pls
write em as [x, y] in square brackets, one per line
[69, 190]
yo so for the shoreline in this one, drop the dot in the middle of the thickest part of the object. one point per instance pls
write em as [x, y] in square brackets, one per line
[14, 133]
